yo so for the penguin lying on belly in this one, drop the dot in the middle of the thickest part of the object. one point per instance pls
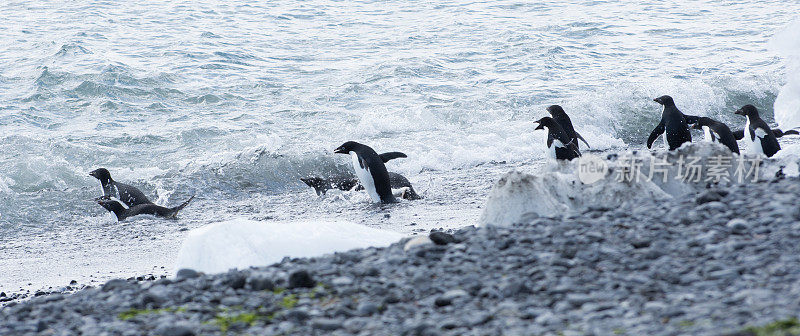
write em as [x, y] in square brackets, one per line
[122, 212]
[128, 201]
[370, 170]
[346, 183]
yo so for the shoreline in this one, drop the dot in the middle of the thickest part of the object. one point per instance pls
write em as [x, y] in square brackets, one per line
[709, 264]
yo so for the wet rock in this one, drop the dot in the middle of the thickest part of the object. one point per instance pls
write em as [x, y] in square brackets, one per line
[301, 279]
[186, 273]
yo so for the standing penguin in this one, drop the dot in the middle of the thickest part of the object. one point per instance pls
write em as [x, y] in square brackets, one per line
[563, 120]
[371, 171]
[560, 146]
[674, 122]
[716, 131]
[759, 138]
[129, 195]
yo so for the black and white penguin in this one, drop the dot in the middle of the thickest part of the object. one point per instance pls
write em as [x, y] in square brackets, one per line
[563, 120]
[122, 212]
[560, 146]
[674, 123]
[129, 195]
[757, 135]
[716, 131]
[370, 170]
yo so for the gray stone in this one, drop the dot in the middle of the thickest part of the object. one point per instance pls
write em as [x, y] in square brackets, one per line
[186, 273]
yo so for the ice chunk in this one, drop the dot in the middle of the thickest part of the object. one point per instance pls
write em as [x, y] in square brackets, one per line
[241, 243]
[787, 104]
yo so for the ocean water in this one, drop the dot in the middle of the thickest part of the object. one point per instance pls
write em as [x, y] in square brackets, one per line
[233, 101]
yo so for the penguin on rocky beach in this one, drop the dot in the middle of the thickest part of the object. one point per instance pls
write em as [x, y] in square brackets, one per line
[559, 145]
[760, 139]
[561, 117]
[674, 123]
[716, 131]
[370, 170]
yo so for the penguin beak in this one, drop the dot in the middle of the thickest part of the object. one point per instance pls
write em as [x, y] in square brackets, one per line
[739, 112]
[540, 127]
[339, 150]
[697, 126]
[657, 100]
[93, 174]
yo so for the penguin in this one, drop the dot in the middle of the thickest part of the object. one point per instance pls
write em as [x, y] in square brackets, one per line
[560, 146]
[716, 131]
[561, 117]
[757, 135]
[122, 212]
[674, 122]
[370, 170]
[129, 195]
[322, 185]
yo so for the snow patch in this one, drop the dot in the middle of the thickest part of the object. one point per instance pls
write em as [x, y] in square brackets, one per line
[241, 243]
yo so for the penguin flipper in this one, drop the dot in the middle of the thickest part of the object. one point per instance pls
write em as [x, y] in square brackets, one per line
[582, 139]
[385, 157]
[656, 132]
[738, 135]
[174, 211]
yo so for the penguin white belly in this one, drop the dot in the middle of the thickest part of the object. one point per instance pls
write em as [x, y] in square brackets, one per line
[666, 143]
[753, 145]
[707, 134]
[365, 177]
[551, 151]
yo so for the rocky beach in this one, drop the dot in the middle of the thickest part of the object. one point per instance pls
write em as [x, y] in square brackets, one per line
[721, 261]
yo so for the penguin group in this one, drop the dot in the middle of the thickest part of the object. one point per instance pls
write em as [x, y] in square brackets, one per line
[562, 143]
[759, 138]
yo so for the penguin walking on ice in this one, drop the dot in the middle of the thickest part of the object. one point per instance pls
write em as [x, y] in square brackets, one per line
[560, 146]
[370, 170]
[561, 117]
[127, 194]
[674, 123]
[716, 131]
[122, 212]
[760, 139]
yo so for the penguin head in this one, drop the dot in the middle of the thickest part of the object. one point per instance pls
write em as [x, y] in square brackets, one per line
[101, 174]
[665, 100]
[702, 121]
[111, 205]
[545, 122]
[747, 110]
[347, 147]
[555, 111]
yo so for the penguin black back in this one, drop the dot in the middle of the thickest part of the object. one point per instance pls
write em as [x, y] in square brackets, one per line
[371, 171]
[561, 117]
[673, 123]
[719, 132]
[129, 195]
